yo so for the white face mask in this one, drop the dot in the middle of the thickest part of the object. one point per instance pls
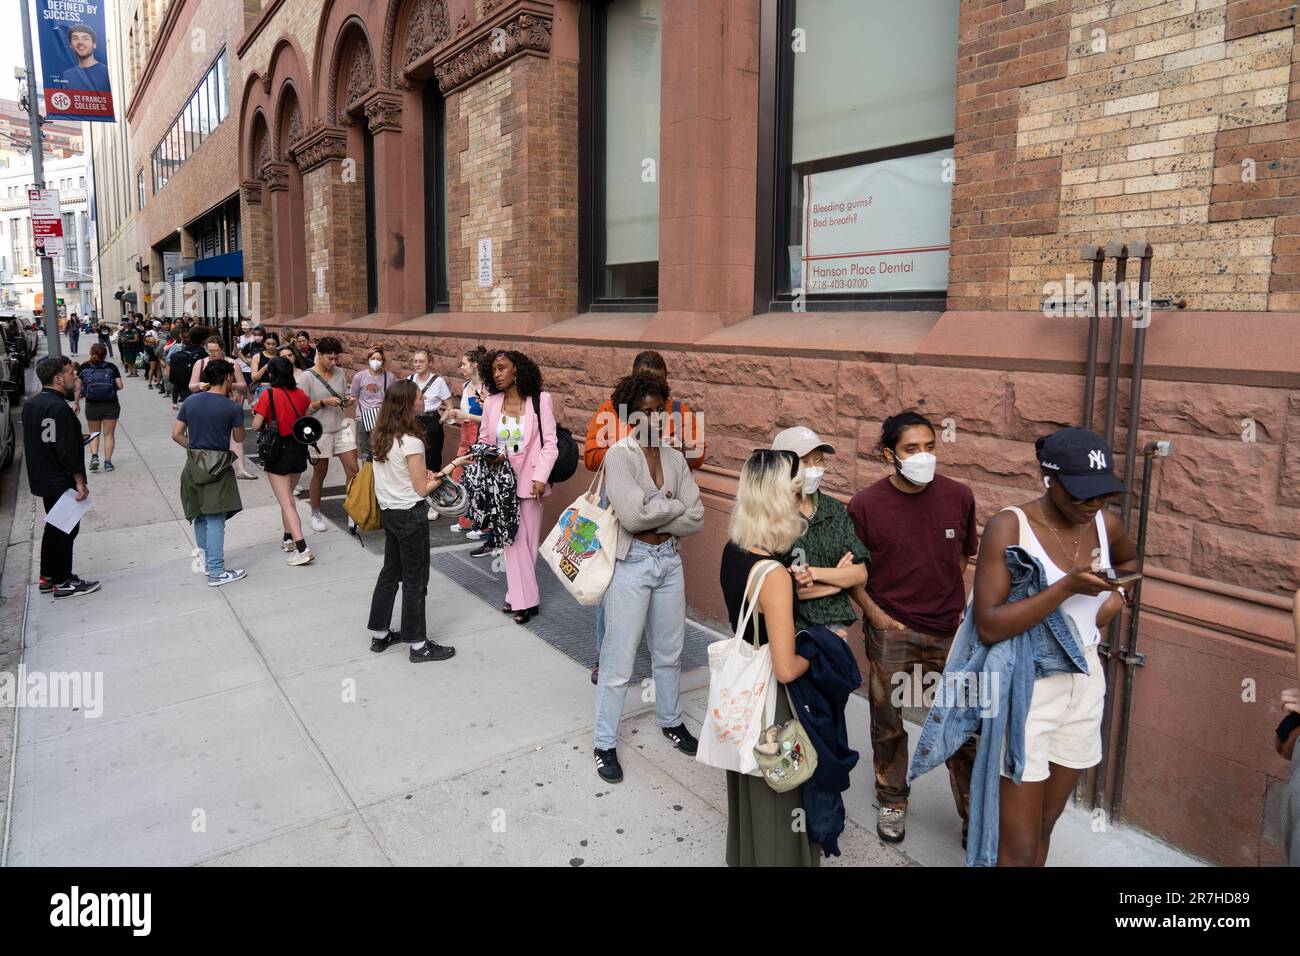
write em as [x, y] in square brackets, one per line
[812, 479]
[376, 365]
[918, 469]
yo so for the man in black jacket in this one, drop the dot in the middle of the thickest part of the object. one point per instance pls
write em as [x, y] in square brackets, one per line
[56, 463]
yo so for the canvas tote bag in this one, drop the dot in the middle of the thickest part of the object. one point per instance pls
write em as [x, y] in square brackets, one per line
[580, 548]
[740, 680]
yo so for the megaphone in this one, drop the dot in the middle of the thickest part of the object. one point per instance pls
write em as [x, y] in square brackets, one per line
[307, 430]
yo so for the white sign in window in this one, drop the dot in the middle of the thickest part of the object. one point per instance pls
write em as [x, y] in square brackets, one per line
[882, 227]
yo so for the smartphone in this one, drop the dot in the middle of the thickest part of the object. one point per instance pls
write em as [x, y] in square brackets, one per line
[87, 439]
[1121, 579]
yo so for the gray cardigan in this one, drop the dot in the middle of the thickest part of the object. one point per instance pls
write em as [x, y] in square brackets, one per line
[674, 509]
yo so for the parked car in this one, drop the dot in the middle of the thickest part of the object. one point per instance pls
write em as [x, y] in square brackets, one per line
[7, 434]
[12, 378]
[22, 337]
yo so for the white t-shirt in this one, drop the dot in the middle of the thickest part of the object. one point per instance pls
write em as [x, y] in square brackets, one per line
[393, 485]
[435, 394]
[511, 434]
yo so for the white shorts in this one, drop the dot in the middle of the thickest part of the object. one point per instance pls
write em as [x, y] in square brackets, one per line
[333, 444]
[1064, 721]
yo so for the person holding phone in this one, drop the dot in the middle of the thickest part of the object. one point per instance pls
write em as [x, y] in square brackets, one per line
[326, 386]
[1070, 533]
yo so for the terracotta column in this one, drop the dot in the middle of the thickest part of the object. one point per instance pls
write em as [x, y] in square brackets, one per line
[393, 212]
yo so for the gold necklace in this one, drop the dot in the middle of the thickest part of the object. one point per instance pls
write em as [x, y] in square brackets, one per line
[1078, 540]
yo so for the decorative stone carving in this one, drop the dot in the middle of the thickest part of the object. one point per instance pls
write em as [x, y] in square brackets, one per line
[428, 26]
[321, 144]
[463, 23]
[361, 74]
[276, 176]
[384, 113]
[295, 128]
[252, 191]
[523, 34]
[263, 150]
[490, 5]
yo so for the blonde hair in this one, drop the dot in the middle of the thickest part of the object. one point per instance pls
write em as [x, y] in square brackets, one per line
[766, 514]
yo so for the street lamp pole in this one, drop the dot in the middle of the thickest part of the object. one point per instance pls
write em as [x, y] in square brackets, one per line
[52, 343]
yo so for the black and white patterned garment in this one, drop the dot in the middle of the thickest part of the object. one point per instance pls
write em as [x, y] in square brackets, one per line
[493, 494]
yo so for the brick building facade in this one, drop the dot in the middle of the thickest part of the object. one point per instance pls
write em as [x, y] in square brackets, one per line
[174, 47]
[1075, 122]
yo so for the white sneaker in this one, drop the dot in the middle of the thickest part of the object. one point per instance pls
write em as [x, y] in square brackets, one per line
[455, 525]
[317, 522]
[473, 535]
[227, 577]
[301, 557]
[200, 561]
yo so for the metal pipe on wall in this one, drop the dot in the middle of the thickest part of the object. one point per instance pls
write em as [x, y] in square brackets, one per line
[1131, 658]
[1143, 251]
[1118, 252]
[1097, 256]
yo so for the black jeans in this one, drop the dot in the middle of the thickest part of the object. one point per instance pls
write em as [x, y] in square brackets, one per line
[432, 441]
[406, 562]
[56, 547]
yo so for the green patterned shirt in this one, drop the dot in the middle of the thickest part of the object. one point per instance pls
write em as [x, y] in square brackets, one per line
[830, 533]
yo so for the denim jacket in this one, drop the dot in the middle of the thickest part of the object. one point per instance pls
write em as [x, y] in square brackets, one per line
[986, 689]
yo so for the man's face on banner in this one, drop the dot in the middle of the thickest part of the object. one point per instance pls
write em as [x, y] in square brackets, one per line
[82, 43]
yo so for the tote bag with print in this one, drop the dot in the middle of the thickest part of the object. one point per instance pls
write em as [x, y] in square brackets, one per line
[741, 703]
[580, 548]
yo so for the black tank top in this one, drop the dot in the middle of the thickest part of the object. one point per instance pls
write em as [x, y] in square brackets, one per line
[736, 565]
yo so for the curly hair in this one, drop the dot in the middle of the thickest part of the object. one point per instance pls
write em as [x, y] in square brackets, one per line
[528, 377]
[894, 426]
[632, 388]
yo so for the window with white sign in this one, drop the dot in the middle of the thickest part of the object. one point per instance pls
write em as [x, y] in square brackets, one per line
[857, 115]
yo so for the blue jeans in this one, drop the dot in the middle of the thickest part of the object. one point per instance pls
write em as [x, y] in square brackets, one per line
[647, 594]
[210, 535]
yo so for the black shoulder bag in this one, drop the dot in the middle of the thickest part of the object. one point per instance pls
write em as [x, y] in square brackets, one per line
[270, 443]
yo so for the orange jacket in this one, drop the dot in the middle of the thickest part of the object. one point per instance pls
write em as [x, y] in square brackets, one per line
[606, 430]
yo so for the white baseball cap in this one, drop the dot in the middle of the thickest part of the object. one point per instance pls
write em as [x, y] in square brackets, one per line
[800, 440]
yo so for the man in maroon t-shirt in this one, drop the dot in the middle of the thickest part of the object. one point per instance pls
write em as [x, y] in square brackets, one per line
[920, 530]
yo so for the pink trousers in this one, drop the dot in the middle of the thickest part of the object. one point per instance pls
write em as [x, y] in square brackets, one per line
[521, 557]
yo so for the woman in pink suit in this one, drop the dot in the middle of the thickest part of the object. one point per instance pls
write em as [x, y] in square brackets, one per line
[510, 418]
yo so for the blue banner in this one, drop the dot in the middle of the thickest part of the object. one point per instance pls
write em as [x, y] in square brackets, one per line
[74, 60]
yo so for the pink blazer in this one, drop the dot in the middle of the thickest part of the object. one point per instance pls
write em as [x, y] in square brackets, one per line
[538, 458]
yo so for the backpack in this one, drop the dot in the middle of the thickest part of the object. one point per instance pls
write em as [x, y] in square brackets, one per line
[566, 462]
[99, 382]
[361, 504]
[182, 366]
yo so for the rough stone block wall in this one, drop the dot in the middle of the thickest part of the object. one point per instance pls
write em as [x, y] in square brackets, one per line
[1226, 506]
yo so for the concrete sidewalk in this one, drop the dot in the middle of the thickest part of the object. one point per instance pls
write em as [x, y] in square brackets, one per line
[250, 724]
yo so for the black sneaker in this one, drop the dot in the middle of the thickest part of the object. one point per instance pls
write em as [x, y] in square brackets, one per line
[94, 463]
[431, 652]
[482, 551]
[608, 767]
[682, 737]
[75, 586]
[379, 644]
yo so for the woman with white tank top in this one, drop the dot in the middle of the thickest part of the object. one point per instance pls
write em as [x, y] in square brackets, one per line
[1071, 534]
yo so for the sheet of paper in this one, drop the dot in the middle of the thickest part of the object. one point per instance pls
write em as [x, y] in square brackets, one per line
[67, 511]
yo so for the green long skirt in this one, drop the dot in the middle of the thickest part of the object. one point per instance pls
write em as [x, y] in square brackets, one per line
[766, 828]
